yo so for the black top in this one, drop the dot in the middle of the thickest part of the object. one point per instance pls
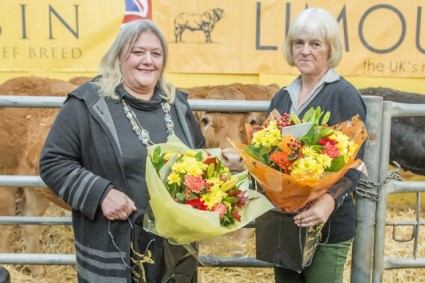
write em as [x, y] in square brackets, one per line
[151, 117]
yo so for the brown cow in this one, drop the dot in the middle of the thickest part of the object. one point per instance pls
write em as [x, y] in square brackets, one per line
[23, 131]
[204, 22]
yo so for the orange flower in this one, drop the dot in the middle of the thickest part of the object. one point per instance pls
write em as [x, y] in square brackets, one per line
[282, 160]
[286, 144]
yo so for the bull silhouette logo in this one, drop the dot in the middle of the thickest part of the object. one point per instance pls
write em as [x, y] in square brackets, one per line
[204, 22]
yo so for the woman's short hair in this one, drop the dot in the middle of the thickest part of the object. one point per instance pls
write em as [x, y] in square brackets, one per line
[315, 21]
[120, 49]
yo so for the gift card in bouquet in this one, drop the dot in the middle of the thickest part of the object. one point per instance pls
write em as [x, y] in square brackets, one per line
[296, 131]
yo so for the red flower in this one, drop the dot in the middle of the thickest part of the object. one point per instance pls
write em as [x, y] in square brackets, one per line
[197, 204]
[211, 160]
[327, 141]
[235, 214]
[330, 148]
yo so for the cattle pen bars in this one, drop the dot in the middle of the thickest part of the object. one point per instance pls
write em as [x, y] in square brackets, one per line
[368, 261]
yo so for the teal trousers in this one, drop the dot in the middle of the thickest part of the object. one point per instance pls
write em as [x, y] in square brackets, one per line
[327, 266]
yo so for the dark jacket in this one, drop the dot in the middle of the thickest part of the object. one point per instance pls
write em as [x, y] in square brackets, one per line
[80, 159]
[343, 101]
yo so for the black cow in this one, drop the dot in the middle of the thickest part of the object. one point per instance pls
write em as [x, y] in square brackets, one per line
[407, 145]
[205, 22]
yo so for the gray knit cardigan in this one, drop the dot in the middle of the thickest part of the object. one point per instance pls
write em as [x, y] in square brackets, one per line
[80, 159]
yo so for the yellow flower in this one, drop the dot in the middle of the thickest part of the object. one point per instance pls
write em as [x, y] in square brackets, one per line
[324, 159]
[214, 196]
[309, 151]
[173, 178]
[190, 153]
[179, 167]
[168, 156]
[194, 167]
[229, 184]
[215, 181]
[307, 168]
[269, 136]
[352, 147]
[190, 166]
[345, 146]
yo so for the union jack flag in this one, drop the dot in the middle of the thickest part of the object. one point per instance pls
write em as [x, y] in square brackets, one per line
[137, 9]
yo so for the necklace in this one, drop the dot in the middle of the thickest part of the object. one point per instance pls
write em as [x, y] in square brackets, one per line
[143, 134]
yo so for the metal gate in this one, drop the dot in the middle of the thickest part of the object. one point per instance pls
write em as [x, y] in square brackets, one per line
[368, 261]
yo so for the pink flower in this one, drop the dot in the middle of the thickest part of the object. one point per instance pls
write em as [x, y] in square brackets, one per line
[194, 183]
[220, 208]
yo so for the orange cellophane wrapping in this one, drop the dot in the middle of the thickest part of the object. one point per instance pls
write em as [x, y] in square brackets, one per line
[291, 194]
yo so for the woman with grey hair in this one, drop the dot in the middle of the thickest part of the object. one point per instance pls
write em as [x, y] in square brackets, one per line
[313, 45]
[95, 154]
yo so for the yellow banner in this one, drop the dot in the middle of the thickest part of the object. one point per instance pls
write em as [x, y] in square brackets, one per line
[58, 36]
[210, 36]
[380, 38]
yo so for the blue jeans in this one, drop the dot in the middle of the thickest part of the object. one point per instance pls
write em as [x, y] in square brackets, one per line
[327, 266]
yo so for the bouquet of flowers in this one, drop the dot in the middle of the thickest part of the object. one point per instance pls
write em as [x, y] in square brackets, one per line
[296, 160]
[200, 180]
[193, 196]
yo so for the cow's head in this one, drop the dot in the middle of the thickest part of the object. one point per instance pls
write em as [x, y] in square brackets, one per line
[218, 13]
[220, 127]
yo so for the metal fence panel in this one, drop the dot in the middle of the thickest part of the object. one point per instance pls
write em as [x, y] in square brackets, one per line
[371, 231]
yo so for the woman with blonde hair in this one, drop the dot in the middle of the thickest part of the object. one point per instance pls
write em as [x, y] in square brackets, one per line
[313, 45]
[94, 158]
